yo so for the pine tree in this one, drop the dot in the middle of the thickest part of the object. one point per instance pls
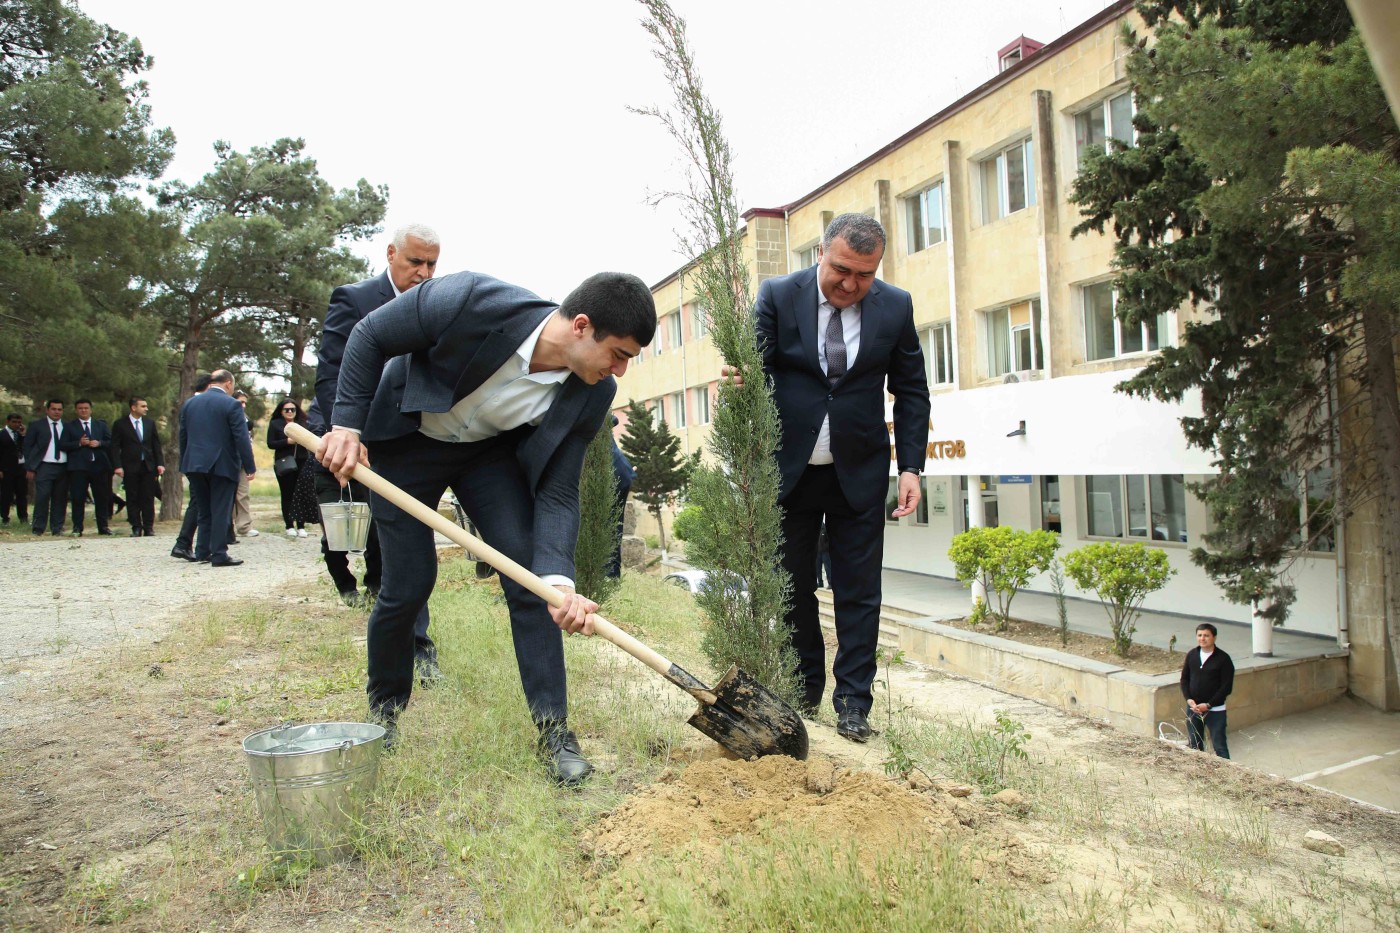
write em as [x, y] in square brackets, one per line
[656, 456]
[599, 514]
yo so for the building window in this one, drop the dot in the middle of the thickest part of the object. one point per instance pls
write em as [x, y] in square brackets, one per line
[672, 324]
[656, 342]
[1050, 518]
[677, 407]
[1313, 492]
[1147, 507]
[1105, 336]
[702, 404]
[658, 412]
[1008, 181]
[1108, 119]
[921, 510]
[699, 321]
[1012, 336]
[938, 354]
[924, 212]
[806, 258]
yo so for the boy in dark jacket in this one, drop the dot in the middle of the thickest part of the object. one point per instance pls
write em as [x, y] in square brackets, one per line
[1207, 677]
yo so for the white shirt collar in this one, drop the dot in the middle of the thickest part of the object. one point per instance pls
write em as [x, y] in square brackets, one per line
[527, 350]
[388, 275]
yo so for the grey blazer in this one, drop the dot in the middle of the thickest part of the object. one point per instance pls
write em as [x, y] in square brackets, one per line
[431, 347]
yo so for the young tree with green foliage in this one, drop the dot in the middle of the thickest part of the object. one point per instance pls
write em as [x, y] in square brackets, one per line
[75, 246]
[260, 249]
[1262, 187]
[737, 492]
[1122, 575]
[1003, 560]
[599, 514]
[656, 457]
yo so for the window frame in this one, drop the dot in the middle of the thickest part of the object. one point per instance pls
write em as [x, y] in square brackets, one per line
[699, 327]
[997, 162]
[916, 210]
[1105, 107]
[1141, 484]
[675, 330]
[931, 353]
[806, 253]
[1032, 328]
[678, 404]
[1167, 326]
[703, 414]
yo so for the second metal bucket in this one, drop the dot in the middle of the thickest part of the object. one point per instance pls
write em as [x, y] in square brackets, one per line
[346, 524]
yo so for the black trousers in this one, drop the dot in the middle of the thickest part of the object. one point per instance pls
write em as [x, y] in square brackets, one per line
[140, 485]
[100, 484]
[338, 563]
[213, 502]
[491, 485]
[14, 491]
[50, 497]
[286, 485]
[856, 540]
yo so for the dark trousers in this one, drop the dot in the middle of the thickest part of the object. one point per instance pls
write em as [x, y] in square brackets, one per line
[492, 487]
[1212, 722]
[338, 563]
[188, 525]
[213, 502]
[614, 568]
[80, 482]
[286, 485]
[856, 541]
[14, 490]
[50, 497]
[140, 485]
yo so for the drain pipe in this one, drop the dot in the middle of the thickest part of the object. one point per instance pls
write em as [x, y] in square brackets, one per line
[1339, 524]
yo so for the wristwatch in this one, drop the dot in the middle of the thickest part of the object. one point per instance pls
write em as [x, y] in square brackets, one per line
[915, 470]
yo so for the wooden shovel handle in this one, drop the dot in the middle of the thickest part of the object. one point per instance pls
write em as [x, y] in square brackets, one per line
[495, 558]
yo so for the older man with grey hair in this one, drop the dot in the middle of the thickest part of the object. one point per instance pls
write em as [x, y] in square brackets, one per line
[413, 257]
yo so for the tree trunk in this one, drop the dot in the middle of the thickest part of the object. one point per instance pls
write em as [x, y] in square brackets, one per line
[172, 484]
[301, 387]
[1379, 343]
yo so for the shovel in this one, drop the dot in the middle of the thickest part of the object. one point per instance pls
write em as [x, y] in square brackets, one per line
[740, 713]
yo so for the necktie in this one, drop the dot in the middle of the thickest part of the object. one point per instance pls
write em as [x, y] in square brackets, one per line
[835, 347]
[53, 440]
[140, 435]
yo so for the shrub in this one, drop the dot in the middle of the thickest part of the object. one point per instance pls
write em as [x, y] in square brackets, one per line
[1122, 575]
[683, 526]
[1003, 560]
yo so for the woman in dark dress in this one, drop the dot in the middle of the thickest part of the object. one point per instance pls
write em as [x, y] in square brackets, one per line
[288, 459]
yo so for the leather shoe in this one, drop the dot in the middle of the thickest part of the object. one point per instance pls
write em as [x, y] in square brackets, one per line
[136, 532]
[104, 531]
[564, 759]
[852, 724]
[429, 674]
[181, 553]
[350, 598]
[229, 562]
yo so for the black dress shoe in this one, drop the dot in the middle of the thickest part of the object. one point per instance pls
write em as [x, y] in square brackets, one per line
[136, 532]
[104, 531]
[181, 553]
[852, 724]
[429, 674]
[226, 562]
[563, 758]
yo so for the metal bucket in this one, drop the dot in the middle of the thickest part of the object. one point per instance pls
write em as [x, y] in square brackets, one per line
[311, 783]
[346, 524]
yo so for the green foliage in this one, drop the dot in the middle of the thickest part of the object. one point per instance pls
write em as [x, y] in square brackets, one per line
[977, 753]
[1057, 584]
[1003, 560]
[656, 457]
[599, 513]
[1261, 188]
[737, 490]
[74, 245]
[1122, 575]
[686, 522]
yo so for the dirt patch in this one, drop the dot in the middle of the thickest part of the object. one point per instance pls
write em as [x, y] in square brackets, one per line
[1141, 658]
[710, 802]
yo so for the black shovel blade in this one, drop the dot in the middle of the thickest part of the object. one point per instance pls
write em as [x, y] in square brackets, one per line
[750, 720]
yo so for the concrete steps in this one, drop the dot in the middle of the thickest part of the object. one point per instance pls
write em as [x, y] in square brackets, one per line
[889, 619]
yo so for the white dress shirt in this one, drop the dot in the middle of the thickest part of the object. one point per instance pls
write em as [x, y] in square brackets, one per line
[136, 424]
[53, 454]
[850, 329]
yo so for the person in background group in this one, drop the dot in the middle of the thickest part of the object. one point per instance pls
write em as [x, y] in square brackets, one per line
[14, 485]
[288, 458]
[137, 456]
[184, 540]
[242, 500]
[823, 558]
[214, 446]
[412, 259]
[86, 441]
[1207, 678]
[624, 476]
[835, 340]
[46, 463]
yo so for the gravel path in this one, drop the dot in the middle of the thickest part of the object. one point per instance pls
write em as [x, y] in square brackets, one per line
[68, 595]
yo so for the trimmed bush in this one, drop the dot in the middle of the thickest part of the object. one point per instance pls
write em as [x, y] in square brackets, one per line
[1122, 575]
[1003, 560]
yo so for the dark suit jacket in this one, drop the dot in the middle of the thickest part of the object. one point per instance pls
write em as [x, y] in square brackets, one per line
[889, 355]
[86, 459]
[431, 347]
[11, 452]
[214, 436]
[129, 452]
[36, 442]
[349, 303]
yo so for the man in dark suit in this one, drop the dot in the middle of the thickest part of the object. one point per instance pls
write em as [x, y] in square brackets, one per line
[184, 538]
[470, 383]
[14, 485]
[214, 447]
[834, 340]
[139, 462]
[86, 441]
[412, 258]
[46, 463]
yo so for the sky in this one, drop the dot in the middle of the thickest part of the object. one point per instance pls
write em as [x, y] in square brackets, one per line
[506, 126]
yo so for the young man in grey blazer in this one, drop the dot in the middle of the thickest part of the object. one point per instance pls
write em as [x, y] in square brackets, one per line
[471, 383]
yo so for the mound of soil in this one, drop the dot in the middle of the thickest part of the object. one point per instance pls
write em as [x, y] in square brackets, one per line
[716, 800]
